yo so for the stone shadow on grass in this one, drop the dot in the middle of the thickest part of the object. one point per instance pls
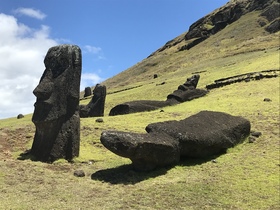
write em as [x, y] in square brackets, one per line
[26, 155]
[126, 174]
[187, 161]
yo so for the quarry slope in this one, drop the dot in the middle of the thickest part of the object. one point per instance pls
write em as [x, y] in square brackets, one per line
[239, 27]
[246, 177]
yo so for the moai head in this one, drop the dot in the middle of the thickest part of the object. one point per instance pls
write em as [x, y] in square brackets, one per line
[56, 114]
[192, 81]
[58, 91]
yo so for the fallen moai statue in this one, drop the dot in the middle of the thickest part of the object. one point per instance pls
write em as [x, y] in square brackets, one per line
[56, 114]
[198, 136]
[95, 108]
[185, 92]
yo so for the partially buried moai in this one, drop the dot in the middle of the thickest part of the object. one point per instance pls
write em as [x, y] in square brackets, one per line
[95, 108]
[56, 114]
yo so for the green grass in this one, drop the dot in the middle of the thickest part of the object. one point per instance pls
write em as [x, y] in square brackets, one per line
[246, 177]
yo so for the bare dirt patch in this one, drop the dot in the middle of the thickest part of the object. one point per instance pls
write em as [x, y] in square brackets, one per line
[13, 140]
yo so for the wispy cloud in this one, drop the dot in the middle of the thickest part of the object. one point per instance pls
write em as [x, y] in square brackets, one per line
[30, 12]
[92, 49]
[96, 51]
[89, 80]
[22, 51]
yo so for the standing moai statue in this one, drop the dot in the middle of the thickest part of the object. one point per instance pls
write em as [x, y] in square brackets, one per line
[95, 108]
[87, 92]
[56, 114]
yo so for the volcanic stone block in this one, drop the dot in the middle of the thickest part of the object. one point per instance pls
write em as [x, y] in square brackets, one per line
[201, 135]
[139, 106]
[95, 108]
[146, 151]
[56, 114]
[185, 92]
[87, 92]
[204, 134]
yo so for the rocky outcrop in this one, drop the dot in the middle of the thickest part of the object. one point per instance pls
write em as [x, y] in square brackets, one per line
[201, 135]
[185, 92]
[247, 77]
[220, 18]
[232, 11]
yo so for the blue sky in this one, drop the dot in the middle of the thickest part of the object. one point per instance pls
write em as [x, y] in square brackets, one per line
[113, 35]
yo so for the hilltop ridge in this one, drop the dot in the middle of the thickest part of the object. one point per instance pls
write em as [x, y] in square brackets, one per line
[237, 27]
[220, 18]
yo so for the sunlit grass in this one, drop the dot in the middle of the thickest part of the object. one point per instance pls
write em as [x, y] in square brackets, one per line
[246, 177]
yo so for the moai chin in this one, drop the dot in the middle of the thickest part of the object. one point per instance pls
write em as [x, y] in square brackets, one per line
[56, 114]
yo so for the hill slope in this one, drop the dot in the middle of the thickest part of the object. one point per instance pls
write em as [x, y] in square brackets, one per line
[238, 27]
[246, 177]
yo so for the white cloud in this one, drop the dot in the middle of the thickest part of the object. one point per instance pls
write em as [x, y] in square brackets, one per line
[30, 13]
[22, 50]
[92, 49]
[89, 80]
[97, 51]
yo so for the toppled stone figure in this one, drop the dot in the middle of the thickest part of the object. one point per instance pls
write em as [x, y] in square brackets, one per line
[185, 92]
[95, 108]
[198, 136]
[56, 114]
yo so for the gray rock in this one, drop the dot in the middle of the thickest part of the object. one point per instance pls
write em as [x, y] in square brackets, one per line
[274, 26]
[56, 114]
[251, 139]
[20, 116]
[256, 133]
[271, 12]
[99, 120]
[79, 173]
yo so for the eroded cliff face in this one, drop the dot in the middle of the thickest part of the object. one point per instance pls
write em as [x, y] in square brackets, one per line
[229, 13]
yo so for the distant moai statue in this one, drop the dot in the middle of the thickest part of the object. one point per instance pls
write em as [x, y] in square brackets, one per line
[87, 92]
[187, 91]
[56, 114]
[95, 108]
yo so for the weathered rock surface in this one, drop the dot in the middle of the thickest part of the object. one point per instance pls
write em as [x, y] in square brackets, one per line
[146, 151]
[247, 77]
[87, 92]
[214, 22]
[185, 92]
[56, 114]
[95, 108]
[201, 135]
[140, 106]
[79, 173]
[20, 116]
[274, 26]
[206, 133]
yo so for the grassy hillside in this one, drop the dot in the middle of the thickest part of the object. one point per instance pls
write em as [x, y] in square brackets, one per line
[246, 177]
